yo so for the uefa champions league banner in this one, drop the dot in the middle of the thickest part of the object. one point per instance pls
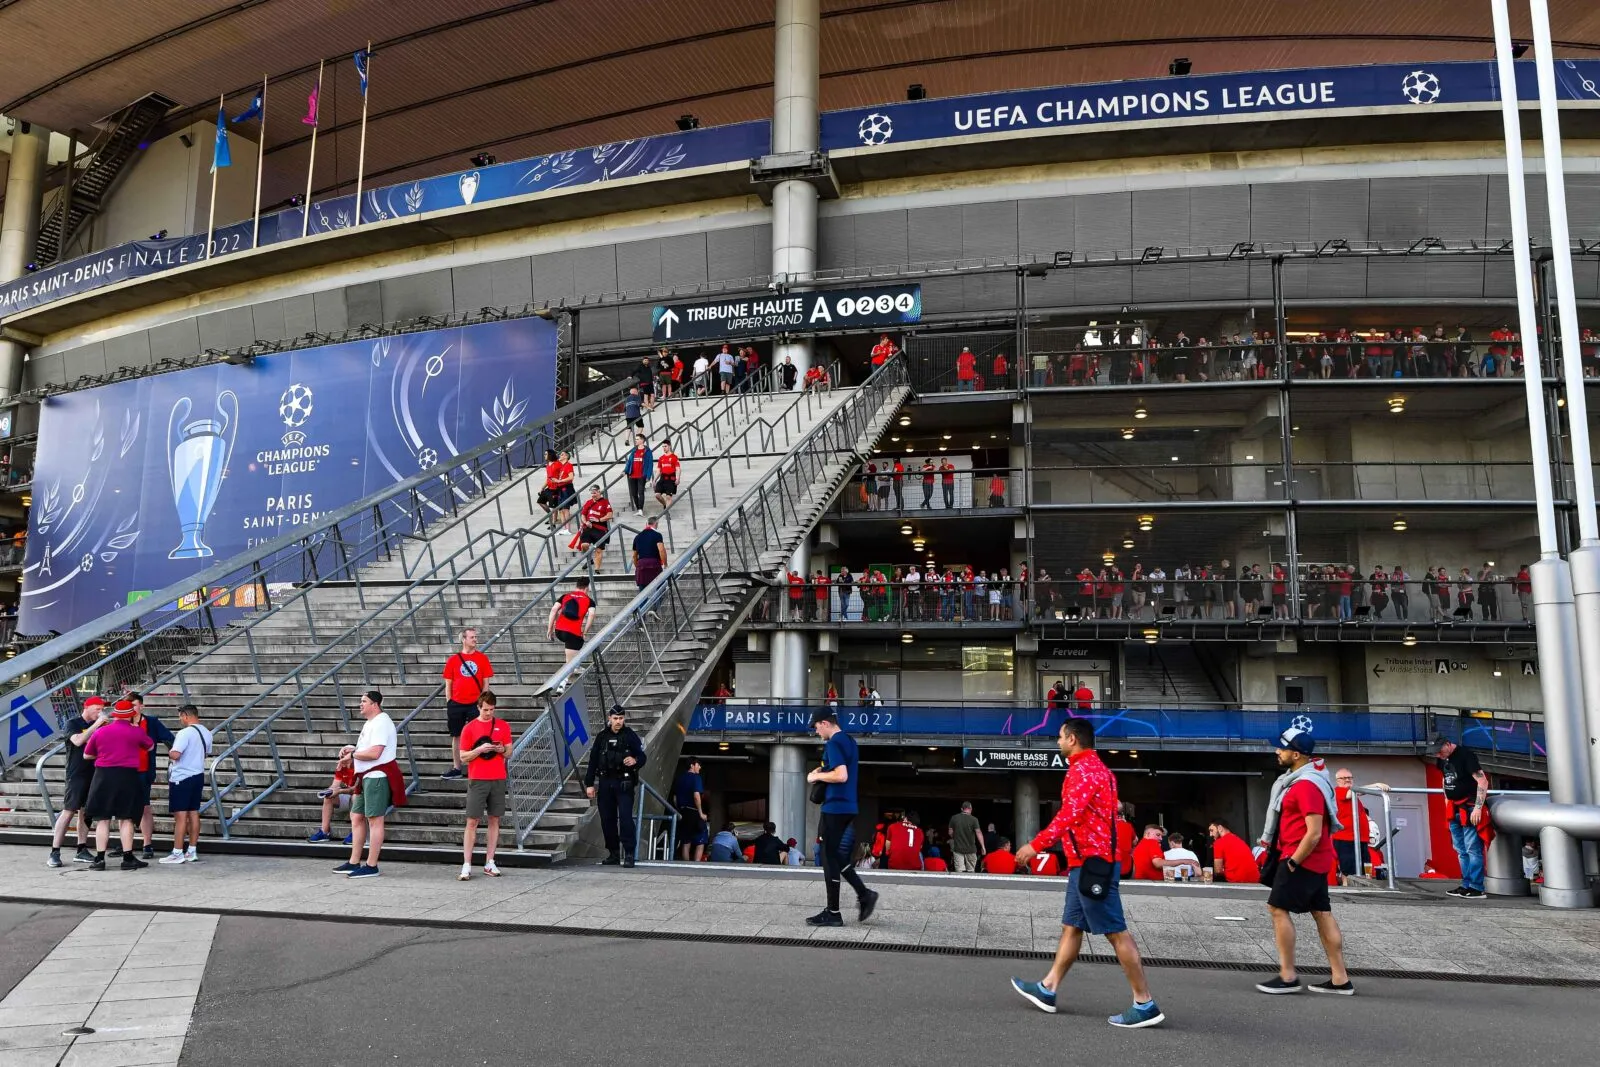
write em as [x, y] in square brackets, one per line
[559, 170]
[141, 483]
[1193, 96]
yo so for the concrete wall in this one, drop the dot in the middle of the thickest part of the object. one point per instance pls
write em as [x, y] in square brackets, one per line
[1390, 194]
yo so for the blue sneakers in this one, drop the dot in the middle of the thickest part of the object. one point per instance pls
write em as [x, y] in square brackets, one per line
[348, 837]
[346, 868]
[372, 872]
[1138, 1016]
[1037, 995]
[320, 835]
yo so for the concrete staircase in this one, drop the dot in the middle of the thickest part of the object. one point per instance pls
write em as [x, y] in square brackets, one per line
[287, 697]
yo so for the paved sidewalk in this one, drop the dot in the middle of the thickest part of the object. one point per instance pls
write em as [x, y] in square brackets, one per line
[1196, 925]
[127, 978]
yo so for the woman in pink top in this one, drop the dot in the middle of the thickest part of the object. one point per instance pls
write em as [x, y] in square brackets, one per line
[117, 750]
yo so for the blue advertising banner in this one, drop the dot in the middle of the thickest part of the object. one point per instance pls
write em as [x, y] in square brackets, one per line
[1134, 725]
[1195, 96]
[559, 170]
[140, 483]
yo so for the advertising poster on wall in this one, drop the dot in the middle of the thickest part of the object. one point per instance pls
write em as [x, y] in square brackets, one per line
[141, 483]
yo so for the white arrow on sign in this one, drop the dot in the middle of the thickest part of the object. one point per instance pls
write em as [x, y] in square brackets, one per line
[668, 317]
[980, 760]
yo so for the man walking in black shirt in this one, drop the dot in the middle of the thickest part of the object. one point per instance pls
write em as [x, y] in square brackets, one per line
[614, 763]
[1466, 788]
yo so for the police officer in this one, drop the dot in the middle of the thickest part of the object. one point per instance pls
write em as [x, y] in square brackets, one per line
[614, 763]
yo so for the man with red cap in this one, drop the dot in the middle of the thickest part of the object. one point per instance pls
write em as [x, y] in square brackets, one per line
[119, 750]
[80, 773]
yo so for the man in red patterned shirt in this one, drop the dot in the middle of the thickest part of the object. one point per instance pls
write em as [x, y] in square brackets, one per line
[1084, 827]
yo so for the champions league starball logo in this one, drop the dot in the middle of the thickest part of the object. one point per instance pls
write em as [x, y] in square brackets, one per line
[1302, 722]
[294, 408]
[1420, 87]
[875, 129]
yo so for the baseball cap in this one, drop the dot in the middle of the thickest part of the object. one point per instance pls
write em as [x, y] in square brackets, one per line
[94, 702]
[824, 715]
[1297, 740]
[1441, 739]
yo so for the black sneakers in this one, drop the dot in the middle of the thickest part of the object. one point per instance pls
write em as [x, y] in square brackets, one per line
[1463, 893]
[130, 862]
[98, 863]
[627, 861]
[55, 858]
[84, 855]
[1278, 987]
[869, 904]
[826, 918]
[611, 860]
[1348, 989]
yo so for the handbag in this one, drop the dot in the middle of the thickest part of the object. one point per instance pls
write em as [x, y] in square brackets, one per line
[818, 792]
[1095, 873]
[1270, 862]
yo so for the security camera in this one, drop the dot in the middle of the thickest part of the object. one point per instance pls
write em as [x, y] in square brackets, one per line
[774, 285]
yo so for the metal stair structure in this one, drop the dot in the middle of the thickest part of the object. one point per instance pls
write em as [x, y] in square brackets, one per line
[384, 609]
[108, 158]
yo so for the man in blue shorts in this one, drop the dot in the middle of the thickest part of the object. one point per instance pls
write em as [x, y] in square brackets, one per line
[1086, 828]
[688, 796]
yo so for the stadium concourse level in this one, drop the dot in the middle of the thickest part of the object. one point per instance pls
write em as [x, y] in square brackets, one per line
[1205, 591]
[1129, 354]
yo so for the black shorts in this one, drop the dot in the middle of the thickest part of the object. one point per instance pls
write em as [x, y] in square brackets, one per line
[647, 388]
[116, 793]
[76, 793]
[566, 497]
[185, 795]
[667, 486]
[147, 782]
[570, 639]
[592, 535]
[1299, 890]
[1346, 852]
[456, 716]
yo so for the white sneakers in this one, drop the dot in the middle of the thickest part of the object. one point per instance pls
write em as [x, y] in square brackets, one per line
[191, 856]
[466, 871]
[491, 870]
[172, 857]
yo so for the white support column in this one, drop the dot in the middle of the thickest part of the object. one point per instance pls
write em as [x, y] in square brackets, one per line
[1024, 808]
[796, 59]
[791, 649]
[19, 229]
[1555, 616]
[1585, 559]
[786, 791]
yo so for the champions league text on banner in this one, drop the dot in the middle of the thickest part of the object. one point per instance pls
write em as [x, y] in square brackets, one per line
[882, 307]
[140, 483]
[1159, 100]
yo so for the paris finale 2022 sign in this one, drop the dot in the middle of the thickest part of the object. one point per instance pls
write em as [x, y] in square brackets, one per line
[142, 483]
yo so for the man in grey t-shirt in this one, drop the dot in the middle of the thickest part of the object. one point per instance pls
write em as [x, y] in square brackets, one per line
[966, 839]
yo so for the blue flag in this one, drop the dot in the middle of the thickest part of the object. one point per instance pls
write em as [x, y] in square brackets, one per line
[251, 112]
[362, 57]
[221, 156]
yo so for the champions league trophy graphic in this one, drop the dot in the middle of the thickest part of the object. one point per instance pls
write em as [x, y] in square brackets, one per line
[197, 455]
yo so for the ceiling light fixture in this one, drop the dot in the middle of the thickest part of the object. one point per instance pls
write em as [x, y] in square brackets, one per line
[906, 639]
[1147, 523]
[1399, 524]
[1127, 433]
[1397, 405]
[1409, 640]
[1127, 542]
[906, 529]
[1140, 413]
[1152, 636]
[1108, 557]
[905, 420]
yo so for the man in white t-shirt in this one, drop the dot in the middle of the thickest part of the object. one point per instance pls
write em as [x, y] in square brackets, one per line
[374, 758]
[1186, 863]
[702, 366]
[186, 764]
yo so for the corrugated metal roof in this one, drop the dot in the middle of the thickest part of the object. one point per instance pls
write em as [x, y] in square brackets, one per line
[519, 77]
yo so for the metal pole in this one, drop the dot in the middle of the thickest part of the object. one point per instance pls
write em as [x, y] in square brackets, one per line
[361, 154]
[216, 174]
[1555, 615]
[1585, 559]
[1291, 533]
[795, 128]
[311, 167]
[261, 159]
[66, 191]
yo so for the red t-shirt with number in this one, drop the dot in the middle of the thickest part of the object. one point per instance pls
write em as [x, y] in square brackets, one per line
[905, 847]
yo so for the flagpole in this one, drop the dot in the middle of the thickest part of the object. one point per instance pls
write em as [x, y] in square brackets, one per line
[361, 153]
[261, 159]
[311, 169]
[222, 131]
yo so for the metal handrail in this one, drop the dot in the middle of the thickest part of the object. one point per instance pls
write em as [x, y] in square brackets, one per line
[671, 818]
[298, 555]
[497, 540]
[659, 621]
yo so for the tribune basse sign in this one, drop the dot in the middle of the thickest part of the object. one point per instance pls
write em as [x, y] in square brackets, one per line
[890, 307]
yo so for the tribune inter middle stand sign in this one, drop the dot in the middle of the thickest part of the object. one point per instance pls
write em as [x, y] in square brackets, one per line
[770, 314]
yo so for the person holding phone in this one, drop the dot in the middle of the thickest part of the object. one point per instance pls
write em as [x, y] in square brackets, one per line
[485, 741]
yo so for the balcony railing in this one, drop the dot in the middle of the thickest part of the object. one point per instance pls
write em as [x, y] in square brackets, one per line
[867, 601]
[909, 494]
[1515, 735]
[1127, 483]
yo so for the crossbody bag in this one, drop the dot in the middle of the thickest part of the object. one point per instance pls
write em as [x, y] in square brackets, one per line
[1096, 872]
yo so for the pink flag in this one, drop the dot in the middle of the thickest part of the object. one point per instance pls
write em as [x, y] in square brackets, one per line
[311, 108]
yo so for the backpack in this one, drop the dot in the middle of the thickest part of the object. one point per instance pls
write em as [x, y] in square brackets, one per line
[570, 608]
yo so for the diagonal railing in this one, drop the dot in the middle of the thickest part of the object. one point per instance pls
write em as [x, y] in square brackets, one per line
[662, 626]
[488, 556]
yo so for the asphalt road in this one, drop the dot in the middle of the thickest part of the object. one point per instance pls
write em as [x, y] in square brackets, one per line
[280, 992]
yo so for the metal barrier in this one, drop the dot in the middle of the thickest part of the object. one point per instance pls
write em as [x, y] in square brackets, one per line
[662, 621]
[670, 818]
